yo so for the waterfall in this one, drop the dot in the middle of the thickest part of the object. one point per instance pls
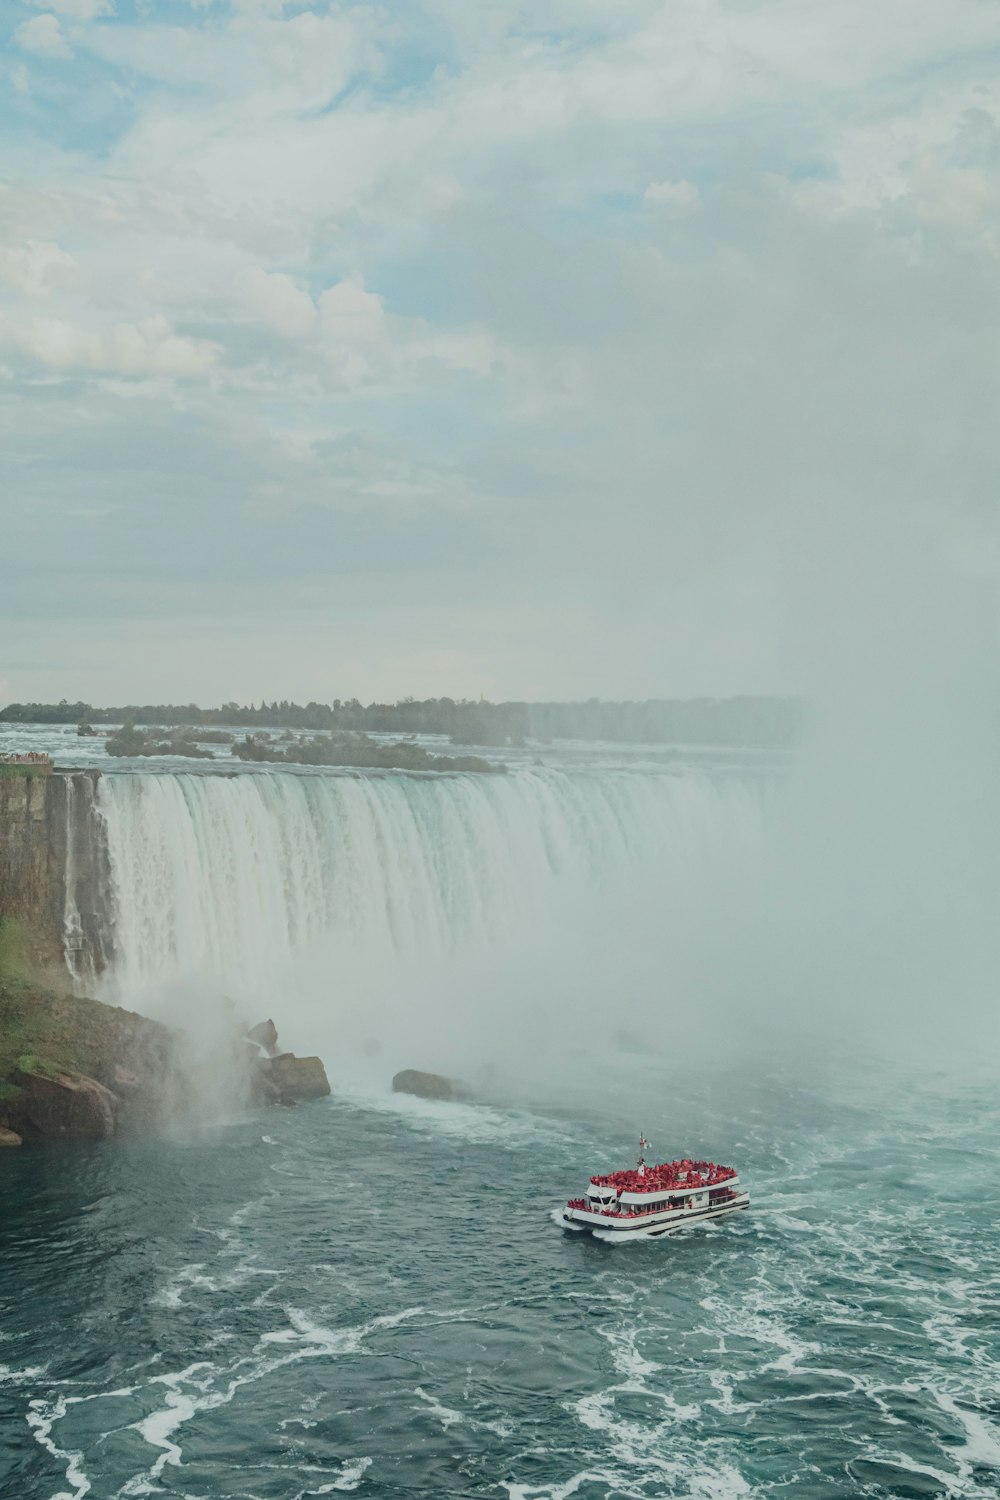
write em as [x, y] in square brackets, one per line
[73, 938]
[242, 885]
[84, 919]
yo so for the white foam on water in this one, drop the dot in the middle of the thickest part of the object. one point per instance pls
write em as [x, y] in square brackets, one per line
[910, 1465]
[350, 1477]
[194, 1278]
[446, 1415]
[16, 1377]
[477, 1123]
[620, 1241]
[725, 1483]
[561, 1491]
[158, 1427]
[943, 1328]
[667, 1448]
[41, 1417]
[203, 1386]
[625, 1356]
[746, 1320]
[727, 1403]
[172, 1294]
[982, 1441]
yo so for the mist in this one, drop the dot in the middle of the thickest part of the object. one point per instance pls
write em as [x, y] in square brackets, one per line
[845, 909]
[836, 908]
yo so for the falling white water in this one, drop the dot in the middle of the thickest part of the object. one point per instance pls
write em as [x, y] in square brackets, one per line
[75, 949]
[259, 887]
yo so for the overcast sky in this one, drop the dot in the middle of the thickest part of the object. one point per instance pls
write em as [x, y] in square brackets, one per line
[535, 349]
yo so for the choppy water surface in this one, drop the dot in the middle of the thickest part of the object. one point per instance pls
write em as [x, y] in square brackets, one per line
[369, 1295]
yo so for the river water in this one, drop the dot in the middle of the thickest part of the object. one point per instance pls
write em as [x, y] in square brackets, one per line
[370, 1294]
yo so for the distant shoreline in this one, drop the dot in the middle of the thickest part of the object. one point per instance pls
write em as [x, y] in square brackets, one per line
[739, 723]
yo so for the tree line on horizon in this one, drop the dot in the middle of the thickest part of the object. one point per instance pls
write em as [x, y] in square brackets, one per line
[757, 721]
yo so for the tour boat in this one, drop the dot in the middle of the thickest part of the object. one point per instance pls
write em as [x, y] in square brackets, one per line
[656, 1200]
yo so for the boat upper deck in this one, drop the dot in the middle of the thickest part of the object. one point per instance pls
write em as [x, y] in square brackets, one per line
[668, 1177]
[681, 1190]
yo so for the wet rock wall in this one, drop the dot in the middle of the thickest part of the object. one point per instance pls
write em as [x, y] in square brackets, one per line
[54, 870]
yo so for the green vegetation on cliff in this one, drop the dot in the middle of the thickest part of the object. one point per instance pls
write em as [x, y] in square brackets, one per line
[29, 1031]
[71, 1066]
[76, 1068]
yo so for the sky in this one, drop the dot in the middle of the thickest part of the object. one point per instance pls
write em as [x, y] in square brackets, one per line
[539, 350]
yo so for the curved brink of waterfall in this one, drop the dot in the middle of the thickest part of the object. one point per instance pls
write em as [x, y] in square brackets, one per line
[263, 888]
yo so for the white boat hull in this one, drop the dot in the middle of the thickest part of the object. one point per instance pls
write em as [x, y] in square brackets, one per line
[650, 1226]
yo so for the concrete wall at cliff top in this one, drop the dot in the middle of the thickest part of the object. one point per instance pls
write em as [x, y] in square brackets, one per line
[53, 870]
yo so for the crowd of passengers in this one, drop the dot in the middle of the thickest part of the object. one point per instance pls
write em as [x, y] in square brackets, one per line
[669, 1174]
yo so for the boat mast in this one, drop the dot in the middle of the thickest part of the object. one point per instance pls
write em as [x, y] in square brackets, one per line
[640, 1165]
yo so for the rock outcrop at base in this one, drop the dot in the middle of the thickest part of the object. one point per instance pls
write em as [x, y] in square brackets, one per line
[265, 1034]
[296, 1079]
[77, 1068]
[429, 1085]
[65, 1105]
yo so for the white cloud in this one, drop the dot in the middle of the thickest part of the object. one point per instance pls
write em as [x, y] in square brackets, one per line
[37, 267]
[678, 198]
[462, 254]
[76, 10]
[360, 340]
[935, 165]
[148, 348]
[249, 149]
[42, 36]
[298, 63]
[356, 337]
[276, 300]
[350, 315]
[472, 350]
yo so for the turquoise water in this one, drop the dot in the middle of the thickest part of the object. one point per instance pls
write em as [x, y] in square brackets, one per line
[369, 1295]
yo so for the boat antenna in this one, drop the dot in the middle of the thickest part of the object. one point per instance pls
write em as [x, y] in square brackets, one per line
[641, 1163]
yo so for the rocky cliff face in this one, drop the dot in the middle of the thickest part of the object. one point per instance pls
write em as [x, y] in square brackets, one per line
[54, 871]
[74, 1067]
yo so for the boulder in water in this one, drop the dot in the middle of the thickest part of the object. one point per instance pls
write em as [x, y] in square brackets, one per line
[296, 1078]
[65, 1104]
[265, 1034]
[428, 1085]
[9, 1138]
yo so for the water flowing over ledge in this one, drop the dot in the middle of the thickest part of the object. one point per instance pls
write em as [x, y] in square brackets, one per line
[228, 878]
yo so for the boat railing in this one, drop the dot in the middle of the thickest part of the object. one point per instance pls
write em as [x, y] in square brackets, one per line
[642, 1211]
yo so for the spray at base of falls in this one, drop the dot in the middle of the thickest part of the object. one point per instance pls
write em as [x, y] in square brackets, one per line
[372, 909]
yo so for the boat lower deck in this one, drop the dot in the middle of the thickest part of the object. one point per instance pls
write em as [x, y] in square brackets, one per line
[652, 1225]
